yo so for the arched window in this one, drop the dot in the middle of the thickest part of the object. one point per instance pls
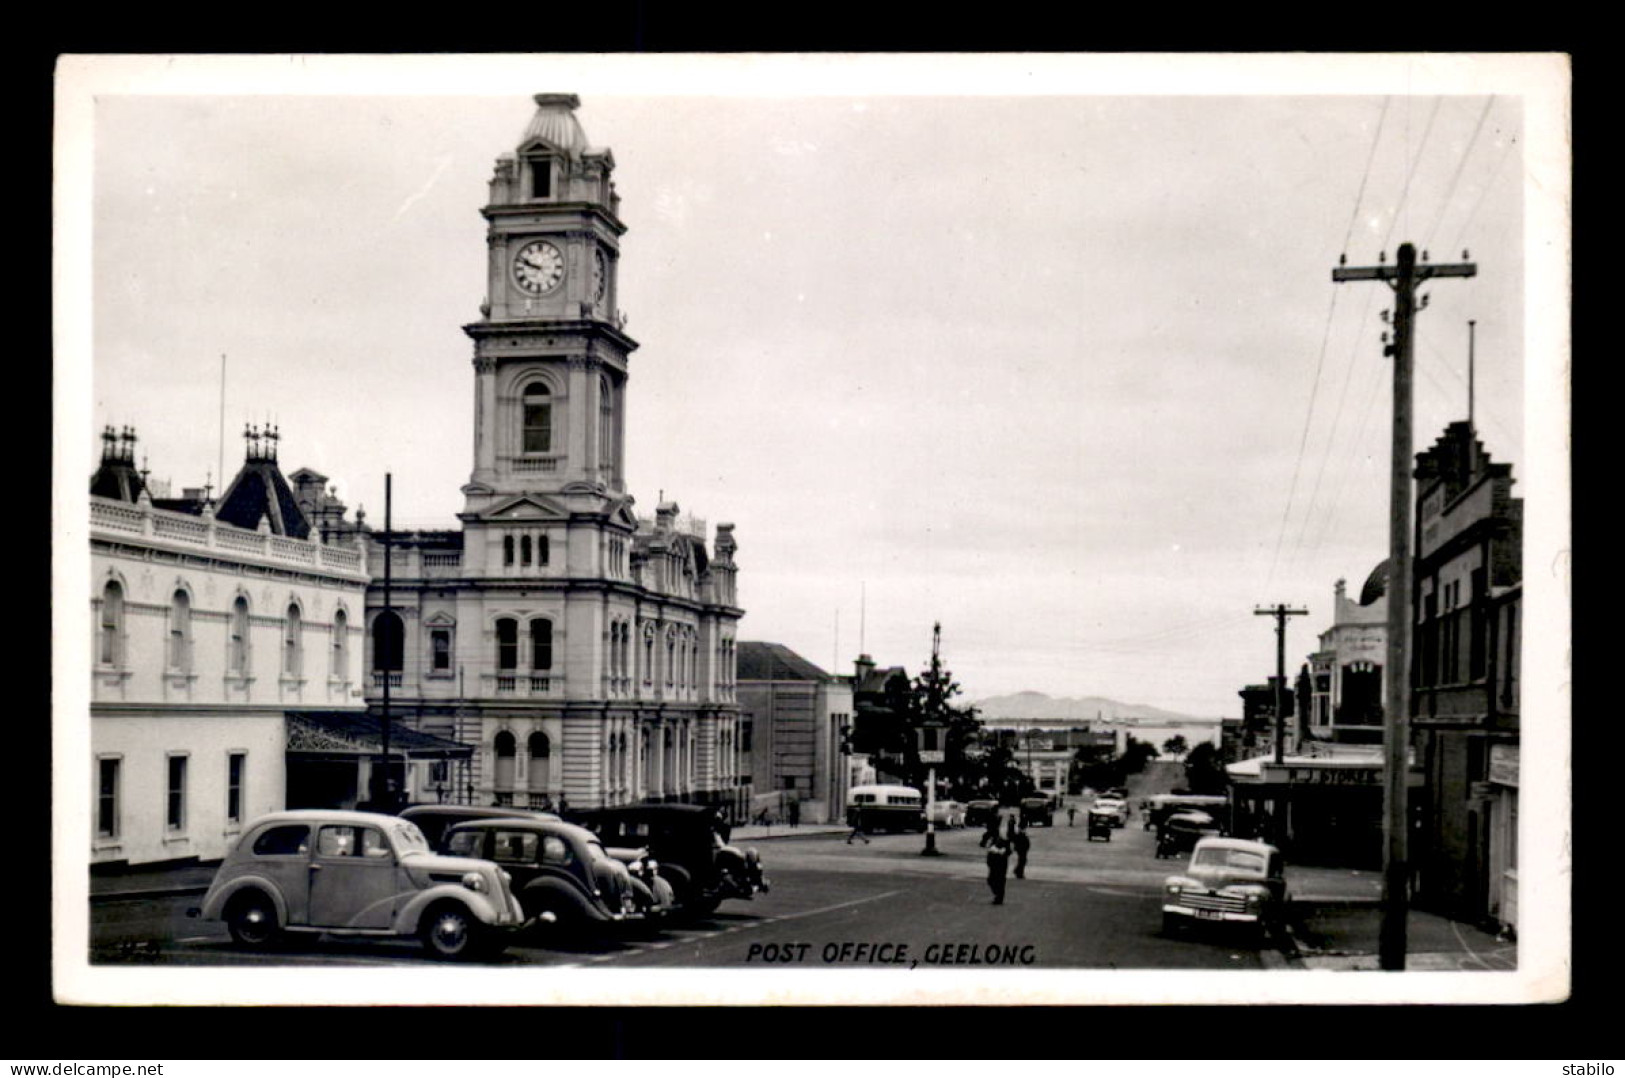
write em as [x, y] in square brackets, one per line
[539, 747]
[388, 642]
[292, 647]
[541, 550]
[507, 644]
[180, 631]
[237, 653]
[504, 747]
[507, 550]
[536, 419]
[112, 631]
[541, 644]
[524, 550]
[340, 661]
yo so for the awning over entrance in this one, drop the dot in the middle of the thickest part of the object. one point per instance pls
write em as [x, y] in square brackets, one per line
[348, 735]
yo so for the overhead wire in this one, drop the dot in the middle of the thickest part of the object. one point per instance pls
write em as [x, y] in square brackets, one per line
[1320, 360]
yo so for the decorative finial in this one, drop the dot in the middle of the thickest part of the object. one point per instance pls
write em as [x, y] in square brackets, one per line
[1343, 259]
[1382, 256]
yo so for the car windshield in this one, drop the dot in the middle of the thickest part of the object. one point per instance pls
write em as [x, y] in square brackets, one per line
[1227, 857]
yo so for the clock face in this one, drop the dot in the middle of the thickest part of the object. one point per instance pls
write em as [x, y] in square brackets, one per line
[600, 276]
[538, 267]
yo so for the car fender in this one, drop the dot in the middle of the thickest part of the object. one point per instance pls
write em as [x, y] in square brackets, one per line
[680, 878]
[558, 892]
[481, 906]
[214, 904]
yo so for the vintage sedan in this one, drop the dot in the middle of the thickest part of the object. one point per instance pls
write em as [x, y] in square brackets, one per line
[561, 873]
[1228, 881]
[358, 874]
[1114, 807]
[690, 844]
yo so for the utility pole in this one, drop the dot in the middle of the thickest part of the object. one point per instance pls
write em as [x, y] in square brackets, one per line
[1403, 279]
[387, 786]
[1280, 612]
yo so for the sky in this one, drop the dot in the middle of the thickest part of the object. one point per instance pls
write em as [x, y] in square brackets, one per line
[1044, 349]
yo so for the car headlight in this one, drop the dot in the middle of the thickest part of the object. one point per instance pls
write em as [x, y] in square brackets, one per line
[1171, 888]
[474, 882]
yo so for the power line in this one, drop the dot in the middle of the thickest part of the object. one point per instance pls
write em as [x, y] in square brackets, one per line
[1405, 191]
[1506, 152]
[1444, 204]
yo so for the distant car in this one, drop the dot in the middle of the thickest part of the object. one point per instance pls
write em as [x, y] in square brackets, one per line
[1037, 812]
[434, 820]
[358, 874]
[1228, 881]
[1113, 807]
[948, 814]
[981, 811]
[559, 869]
[690, 845]
[1181, 831]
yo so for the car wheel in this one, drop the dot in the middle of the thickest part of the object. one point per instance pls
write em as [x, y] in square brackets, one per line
[449, 931]
[251, 920]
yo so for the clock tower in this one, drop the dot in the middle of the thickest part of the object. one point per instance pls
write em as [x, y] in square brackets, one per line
[550, 359]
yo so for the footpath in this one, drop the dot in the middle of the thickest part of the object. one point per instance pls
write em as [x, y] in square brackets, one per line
[1334, 920]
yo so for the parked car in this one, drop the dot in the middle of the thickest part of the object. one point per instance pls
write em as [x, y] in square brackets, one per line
[1181, 831]
[1228, 881]
[559, 869]
[948, 814]
[1037, 811]
[981, 811]
[358, 874]
[1114, 807]
[690, 845]
[435, 820]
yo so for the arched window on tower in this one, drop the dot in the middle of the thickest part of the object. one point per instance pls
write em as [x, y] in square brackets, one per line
[388, 642]
[537, 419]
[111, 651]
[340, 664]
[606, 426]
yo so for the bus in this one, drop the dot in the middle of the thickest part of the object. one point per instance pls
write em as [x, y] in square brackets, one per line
[886, 808]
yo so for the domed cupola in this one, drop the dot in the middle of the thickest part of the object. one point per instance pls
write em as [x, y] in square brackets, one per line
[1376, 585]
[555, 123]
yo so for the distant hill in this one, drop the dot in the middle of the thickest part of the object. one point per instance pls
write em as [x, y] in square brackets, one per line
[1036, 705]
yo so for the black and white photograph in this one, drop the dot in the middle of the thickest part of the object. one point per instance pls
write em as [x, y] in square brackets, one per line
[811, 529]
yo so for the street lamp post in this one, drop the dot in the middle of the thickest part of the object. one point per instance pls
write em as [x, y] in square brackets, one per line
[931, 755]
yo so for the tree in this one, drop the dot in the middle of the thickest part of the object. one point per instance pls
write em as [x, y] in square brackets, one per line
[1175, 746]
[1204, 770]
[1136, 754]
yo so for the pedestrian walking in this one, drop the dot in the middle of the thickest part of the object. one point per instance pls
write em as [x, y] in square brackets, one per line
[857, 829]
[998, 861]
[1021, 844]
[795, 813]
[1071, 814]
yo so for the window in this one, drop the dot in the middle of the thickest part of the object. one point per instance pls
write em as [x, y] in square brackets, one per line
[107, 797]
[112, 630]
[541, 644]
[554, 851]
[388, 641]
[541, 176]
[516, 846]
[180, 632]
[234, 786]
[537, 419]
[292, 838]
[292, 645]
[507, 644]
[541, 550]
[343, 840]
[507, 550]
[539, 745]
[440, 650]
[606, 425]
[175, 794]
[341, 645]
[237, 657]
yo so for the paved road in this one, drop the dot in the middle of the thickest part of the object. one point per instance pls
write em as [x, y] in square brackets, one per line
[1090, 905]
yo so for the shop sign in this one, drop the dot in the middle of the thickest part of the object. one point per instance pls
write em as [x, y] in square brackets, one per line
[1320, 776]
[1504, 765]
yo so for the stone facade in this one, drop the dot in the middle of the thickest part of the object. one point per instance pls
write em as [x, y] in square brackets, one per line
[798, 716]
[205, 635]
[1346, 683]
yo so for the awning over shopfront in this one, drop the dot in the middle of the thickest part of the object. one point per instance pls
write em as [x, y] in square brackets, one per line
[350, 735]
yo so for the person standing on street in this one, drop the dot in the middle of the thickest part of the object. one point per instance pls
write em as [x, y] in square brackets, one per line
[795, 813]
[1021, 844]
[1071, 814]
[857, 829]
[998, 861]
